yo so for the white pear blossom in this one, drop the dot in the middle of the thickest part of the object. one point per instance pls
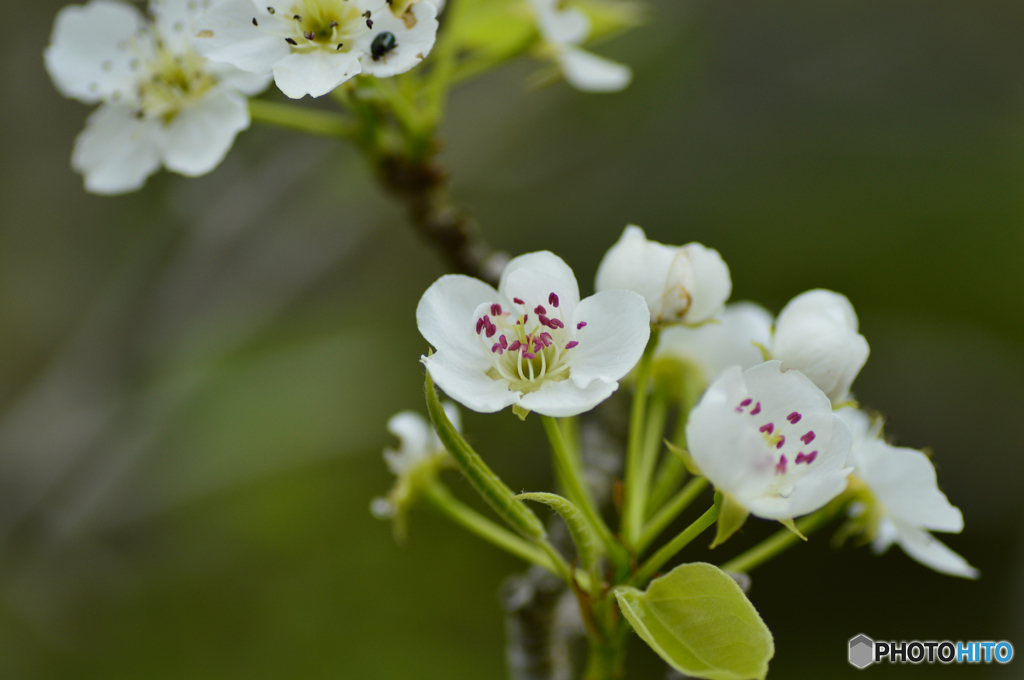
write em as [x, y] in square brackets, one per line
[161, 103]
[733, 338]
[816, 333]
[531, 343]
[312, 46]
[903, 501]
[768, 438]
[564, 29]
[681, 284]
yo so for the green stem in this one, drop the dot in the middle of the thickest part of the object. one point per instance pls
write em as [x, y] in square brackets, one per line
[302, 119]
[778, 542]
[635, 499]
[672, 471]
[669, 550]
[670, 511]
[570, 473]
[606, 659]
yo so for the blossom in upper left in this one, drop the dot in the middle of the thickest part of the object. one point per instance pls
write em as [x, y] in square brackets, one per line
[532, 342]
[160, 102]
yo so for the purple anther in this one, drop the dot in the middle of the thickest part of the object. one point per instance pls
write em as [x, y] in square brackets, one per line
[782, 440]
[526, 317]
[556, 323]
[794, 417]
[780, 467]
[746, 402]
[571, 344]
[539, 309]
[479, 325]
[496, 309]
[503, 342]
[529, 355]
[581, 325]
[518, 301]
[808, 438]
[496, 347]
[767, 428]
[806, 457]
[553, 300]
[514, 346]
[491, 330]
[544, 321]
[546, 339]
[756, 409]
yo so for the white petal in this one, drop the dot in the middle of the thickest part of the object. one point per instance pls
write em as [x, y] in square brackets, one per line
[567, 26]
[714, 347]
[116, 151]
[564, 398]
[821, 302]
[904, 482]
[414, 433]
[412, 44]
[314, 73]
[174, 22]
[548, 264]
[712, 284]
[199, 137]
[226, 34]
[465, 380]
[250, 84]
[612, 342]
[92, 49]
[590, 73]
[931, 552]
[445, 314]
[637, 264]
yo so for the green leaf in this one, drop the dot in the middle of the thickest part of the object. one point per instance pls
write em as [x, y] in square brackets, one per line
[731, 516]
[791, 525]
[684, 456]
[586, 543]
[699, 621]
[483, 479]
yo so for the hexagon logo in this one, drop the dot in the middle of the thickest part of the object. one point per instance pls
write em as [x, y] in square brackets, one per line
[862, 651]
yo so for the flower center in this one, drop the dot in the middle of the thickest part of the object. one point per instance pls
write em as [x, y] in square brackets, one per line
[174, 82]
[786, 441]
[528, 345]
[309, 25]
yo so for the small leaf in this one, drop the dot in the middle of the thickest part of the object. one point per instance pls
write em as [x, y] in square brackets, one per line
[699, 621]
[791, 525]
[684, 456]
[731, 516]
[520, 411]
[586, 543]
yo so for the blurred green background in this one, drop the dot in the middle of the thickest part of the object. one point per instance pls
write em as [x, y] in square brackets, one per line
[195, 378]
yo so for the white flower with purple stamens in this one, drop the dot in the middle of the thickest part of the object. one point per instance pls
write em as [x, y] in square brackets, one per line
[899, 499]
[531, 343]
[564, 29]
[681, 284]
[312, 46]
[733, 338]
[768, 439]
[160, 102]
[816, 333]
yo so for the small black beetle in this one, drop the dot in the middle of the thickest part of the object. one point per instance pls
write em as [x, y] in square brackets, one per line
[382, 44]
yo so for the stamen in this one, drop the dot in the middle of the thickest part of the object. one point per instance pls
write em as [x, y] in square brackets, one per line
[290, 41]
[780, 467]
[581, 325]
[496, 347]
[309, 35]
[553, 300]
[556, 323]
[756, 409]
[806, 457]
[479, 325]
[571, 344]
[503, 342]
[794, 417]
[767, 428]
[539, 309]
[496, 309]
[808, 438]
[743, 404]
[543, 320]
[271, 10]
[518, 301]
[254, 22]
[782, 440]
[514, 346]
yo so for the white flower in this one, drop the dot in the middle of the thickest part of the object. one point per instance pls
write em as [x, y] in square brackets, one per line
[731, 339]
[904, 500]
[161, 104]
[564, 29]
[768, 438]
[415, 464]
[816, 333]
[532, 342]
[312, 46]
[681, 284]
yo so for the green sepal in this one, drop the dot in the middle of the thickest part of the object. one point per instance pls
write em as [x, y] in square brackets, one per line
[685, 456]
[587, 547]
[483, 479]
[520, 411]
[608, 17]
[699, 621]
[765, 352]
[791, 525]
[731, 516]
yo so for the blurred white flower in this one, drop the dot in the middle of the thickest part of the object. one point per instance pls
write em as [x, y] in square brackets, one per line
[532, 342]
[564, 29]
[816, 333]
[161, 103]
[768, 438]
[312, 46]
[681, 284]
[733, 338]
[904, 500]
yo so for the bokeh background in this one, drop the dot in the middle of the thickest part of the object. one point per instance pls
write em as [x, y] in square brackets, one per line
[195, 378]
